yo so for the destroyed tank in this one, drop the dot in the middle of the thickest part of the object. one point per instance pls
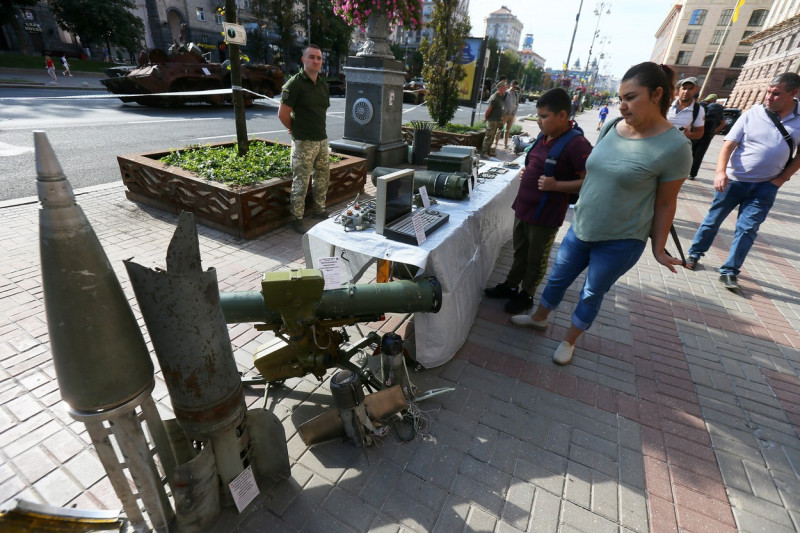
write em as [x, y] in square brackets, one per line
[184, 69]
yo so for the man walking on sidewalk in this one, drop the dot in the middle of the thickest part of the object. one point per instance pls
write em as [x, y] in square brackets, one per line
[493, 118]
[755, 161]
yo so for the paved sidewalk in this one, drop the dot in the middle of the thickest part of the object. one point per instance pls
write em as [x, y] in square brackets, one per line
[34, 79]
[680, 412]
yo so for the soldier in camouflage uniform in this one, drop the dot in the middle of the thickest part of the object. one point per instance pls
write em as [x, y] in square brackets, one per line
[304, 102]
[494, 117]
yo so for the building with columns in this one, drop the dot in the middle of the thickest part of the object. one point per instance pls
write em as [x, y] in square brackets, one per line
[775, 49]
[505, 27]
[695, 31]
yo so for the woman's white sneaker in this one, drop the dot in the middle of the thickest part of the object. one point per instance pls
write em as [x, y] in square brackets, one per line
[526, 321]
[563, 354]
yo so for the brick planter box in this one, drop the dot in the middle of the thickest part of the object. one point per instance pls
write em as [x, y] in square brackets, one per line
[242, 211]
[443, 138]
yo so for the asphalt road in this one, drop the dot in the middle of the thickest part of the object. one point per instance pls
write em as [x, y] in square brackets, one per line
[88, 133]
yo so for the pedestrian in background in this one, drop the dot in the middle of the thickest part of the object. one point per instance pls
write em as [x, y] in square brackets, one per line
[305, 99]
[756, 159]
[630, 193]
[493, 118]
[510, 104]
[50, 67]
[66, 66]
[603, 116]
[715, 121]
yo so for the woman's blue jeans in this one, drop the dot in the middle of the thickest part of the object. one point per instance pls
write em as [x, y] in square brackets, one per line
[754, 201]
[606, 262]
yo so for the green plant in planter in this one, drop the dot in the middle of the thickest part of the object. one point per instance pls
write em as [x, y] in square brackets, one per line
[450, 127]
[223, 164]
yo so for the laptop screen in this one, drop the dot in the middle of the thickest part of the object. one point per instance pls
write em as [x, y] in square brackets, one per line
[394, 198]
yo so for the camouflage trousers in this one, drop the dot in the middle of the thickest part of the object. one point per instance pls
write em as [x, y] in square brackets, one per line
[308, 157]
[492, 127]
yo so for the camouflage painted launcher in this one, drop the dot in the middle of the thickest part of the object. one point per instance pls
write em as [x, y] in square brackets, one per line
[293, 304]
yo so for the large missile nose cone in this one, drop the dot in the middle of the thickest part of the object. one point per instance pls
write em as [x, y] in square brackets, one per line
[51, 183]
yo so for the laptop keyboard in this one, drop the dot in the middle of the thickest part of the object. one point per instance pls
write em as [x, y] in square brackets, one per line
[402, 229]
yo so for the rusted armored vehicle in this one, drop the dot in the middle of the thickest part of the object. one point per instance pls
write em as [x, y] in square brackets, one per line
[184, 69]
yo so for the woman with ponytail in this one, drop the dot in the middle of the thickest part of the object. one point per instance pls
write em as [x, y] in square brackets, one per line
[629, 195]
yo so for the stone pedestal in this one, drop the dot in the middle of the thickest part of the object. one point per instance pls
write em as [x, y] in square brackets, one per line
[374, 111]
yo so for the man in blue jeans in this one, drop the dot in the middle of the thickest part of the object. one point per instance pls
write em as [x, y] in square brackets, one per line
[755, 161]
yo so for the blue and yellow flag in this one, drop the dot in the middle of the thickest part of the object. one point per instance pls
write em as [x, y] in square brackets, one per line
[736, 11]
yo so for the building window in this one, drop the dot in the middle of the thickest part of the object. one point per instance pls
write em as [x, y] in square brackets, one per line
[201, 14]
[746, 34]
[739, 60]
[729, 82]
[725, 18]
[683, 58]
[719, 36]
[698, 17]
[758, 17]
[707, 60]
[218, 18]
[690, 37]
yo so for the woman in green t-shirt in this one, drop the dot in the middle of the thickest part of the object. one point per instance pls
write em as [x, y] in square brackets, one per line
[630, 193]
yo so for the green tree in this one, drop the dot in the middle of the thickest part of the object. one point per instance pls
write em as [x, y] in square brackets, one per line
[110, 21]
[329, 31]
[534, 76]
[283, 17]
[441, 71]
[9, 10]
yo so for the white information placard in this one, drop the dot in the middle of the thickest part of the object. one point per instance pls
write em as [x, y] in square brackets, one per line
[244, 489]
[331, 272]
[419, 228]
[423, 193]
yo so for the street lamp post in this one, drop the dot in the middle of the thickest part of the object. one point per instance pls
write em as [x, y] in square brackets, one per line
[572, 42]
[497, 70]
[599, 13]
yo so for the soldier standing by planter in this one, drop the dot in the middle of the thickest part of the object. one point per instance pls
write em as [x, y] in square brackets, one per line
[304, 102]
[494, 118]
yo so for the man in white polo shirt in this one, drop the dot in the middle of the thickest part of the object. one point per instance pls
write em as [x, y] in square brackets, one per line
[686, 113]
[755, 161]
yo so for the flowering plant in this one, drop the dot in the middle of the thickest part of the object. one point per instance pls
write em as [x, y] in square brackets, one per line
[406, 13]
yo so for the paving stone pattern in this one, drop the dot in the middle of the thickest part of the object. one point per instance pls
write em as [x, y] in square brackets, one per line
[680, 412]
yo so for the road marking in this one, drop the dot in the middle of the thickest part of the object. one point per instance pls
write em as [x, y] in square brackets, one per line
[8, 150]
[171, 120]
[234, 135]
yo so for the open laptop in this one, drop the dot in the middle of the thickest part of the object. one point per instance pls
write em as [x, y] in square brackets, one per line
[394, 209]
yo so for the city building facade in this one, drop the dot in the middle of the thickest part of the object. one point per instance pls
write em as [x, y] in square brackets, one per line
[695, 31]
[164, 21]
[528, 56]
[503, 26]
[775, 49]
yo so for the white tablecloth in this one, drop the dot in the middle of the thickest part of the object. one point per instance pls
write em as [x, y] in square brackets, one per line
[461, 254]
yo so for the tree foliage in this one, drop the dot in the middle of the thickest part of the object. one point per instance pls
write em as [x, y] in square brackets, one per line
[329, 31]
[283, 17]
[109, 22]
[441, 71]
[9, 11]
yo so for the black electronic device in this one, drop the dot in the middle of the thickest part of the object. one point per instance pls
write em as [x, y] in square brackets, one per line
[394, 209]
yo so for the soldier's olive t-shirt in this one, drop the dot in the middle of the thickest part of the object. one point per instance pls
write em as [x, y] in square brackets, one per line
[496, 105]
[618, 194]
[309, 102]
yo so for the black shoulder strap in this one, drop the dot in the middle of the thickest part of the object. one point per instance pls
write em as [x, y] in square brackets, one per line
[786, 137]
[695, 112]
